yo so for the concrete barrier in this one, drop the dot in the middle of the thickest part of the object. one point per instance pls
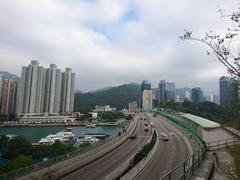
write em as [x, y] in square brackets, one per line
[142, 164]
[63, 168]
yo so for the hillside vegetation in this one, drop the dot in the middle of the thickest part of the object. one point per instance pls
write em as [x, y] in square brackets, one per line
[118, 97]
[209, 110]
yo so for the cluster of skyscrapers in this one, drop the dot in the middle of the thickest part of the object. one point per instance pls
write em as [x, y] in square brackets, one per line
[166, 92]
[40, 90]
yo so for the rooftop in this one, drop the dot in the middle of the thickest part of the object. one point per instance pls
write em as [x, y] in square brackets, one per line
[205, 123]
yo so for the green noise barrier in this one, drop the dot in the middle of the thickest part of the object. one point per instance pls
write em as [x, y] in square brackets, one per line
[183, 125]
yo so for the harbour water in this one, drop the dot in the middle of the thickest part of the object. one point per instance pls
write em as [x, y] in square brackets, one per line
[34, 134]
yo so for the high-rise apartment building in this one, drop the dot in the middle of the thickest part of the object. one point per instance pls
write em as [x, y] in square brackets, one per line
[166, 91]
[229, 91]
[41, 90]
[8, 88]
[31, 89]
[145, 85]
[147, 100]
[52, 95]
[68, 85]
[197, 94]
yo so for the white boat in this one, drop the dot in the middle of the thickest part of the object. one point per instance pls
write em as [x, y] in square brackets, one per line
[88, 140]
[91, 125]
[63, 136]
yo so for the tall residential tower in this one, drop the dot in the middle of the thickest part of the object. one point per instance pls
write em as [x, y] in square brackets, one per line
[45, 90]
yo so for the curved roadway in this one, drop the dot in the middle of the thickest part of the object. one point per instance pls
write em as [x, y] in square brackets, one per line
[105, 165]
[169, 154]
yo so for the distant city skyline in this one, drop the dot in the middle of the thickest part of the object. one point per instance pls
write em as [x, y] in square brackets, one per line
[154, 86]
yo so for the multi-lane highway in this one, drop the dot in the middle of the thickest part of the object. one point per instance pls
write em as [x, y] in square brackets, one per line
[169, 153]
[102, 167]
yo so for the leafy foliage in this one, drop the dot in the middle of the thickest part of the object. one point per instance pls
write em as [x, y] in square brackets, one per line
[110, 116]
[223, 47]
[20, 152]
[207, 110]
[145, 150]
[118, 97]
[16, 147]
[19, 162]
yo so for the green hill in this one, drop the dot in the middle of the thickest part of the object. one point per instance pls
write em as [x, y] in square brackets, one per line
[118, 97]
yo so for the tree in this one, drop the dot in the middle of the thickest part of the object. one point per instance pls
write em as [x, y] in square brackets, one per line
[57, 149]
[19, 162]
[3, 144]
[225, 47]
[16, 147]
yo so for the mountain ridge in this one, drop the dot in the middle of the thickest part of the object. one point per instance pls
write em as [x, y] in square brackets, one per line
[118, 97]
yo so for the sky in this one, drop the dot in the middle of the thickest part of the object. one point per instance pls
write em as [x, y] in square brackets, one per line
[113, 42]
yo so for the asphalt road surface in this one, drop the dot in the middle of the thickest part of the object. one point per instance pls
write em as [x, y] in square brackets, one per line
[103, 166]
[169, 154]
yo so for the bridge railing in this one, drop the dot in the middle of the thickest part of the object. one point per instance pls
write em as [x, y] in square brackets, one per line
[187, 168]
[222, 144]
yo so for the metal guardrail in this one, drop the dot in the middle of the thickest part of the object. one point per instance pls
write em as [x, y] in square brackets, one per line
[232, 131]
[47, 164]
[222, 144]
[183, 172]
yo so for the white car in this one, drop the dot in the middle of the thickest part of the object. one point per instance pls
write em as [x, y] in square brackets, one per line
[164, 136]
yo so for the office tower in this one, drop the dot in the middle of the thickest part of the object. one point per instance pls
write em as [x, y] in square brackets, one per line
[229, 91]
[184, 94]
[146, 85]
[7, 95]
[67, 94]
[166, 91]
[147, 100]
[155, 96]
[31, 89]
[52, 89]
[197, 94]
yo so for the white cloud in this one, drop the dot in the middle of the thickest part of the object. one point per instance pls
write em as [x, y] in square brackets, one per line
[104, 46]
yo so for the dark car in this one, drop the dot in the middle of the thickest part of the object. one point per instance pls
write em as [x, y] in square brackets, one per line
[133, 136]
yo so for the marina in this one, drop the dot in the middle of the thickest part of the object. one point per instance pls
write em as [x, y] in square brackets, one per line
[34, 134]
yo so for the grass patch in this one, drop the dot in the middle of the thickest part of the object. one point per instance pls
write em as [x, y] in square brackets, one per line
[235, 153]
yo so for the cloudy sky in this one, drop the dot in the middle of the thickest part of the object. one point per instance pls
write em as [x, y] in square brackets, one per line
[111, 42]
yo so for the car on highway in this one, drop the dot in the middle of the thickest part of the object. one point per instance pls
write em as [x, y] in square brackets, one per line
[133, 136]
[146, 129]
[146, 124]
[164, 136]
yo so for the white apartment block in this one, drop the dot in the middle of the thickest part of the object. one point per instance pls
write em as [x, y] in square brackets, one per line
[41, 90]
[147, 100]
